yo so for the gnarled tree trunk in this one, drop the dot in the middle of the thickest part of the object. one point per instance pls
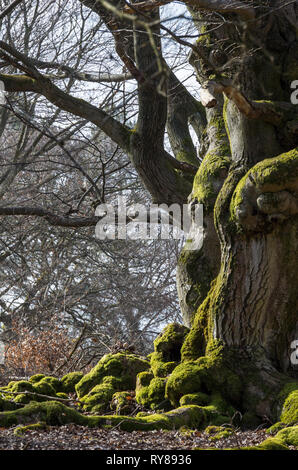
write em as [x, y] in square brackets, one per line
[250, 311]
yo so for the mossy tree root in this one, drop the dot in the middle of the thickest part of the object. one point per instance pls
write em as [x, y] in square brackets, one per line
[56, 414]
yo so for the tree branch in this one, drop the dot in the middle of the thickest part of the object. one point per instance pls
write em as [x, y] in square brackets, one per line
[272, 112]
[51, 217]
[84, 76]
[243, 9]
[79, 107]
[10, 8]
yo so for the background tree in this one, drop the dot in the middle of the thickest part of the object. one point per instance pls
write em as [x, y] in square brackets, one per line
[238, 293]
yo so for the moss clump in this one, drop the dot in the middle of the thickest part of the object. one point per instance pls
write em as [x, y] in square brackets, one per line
[22, 386]
[121, 365]
[144, 379]
[209, 179]
[218, 432]
[284, 438]
[161, 369]
[289, 436]
[23, 398]
[209, 374]
[69, 381]
[54, 382]
[50, 412]
[156, 393]
[287, 407]
[62, 395]
[6, 405]
[289, 414]
[185, 379]
[150, 391]
[20, 430]
[167, 346]
[198, 398]
[54, 413]
[123, 403]
[268, 176]
[169, 342]
[36, 378]
[142, 386]
[43, 387]
[98, 397]
[114, 373]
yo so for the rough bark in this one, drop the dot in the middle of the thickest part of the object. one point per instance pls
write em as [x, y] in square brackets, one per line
[251, 309]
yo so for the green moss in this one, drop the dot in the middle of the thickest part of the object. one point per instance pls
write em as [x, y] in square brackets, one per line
[185, 379]
[209, 178]
[23, 398]
[206, 374]
[289, 436]
[284, 438]
[99, 397]
[54, 382]
[44, 388]
[114, 373]
[50, 412]
[22, 386]
[144, 379]
[191, 416]
[160, 368]
[269, 175]
[156, 394]
[218, 432]
[204, 37]
[10, 384]
[36, 378]
[62, 395]
[167, 348]
[69, 381]
[270, 444]
[55, 413]
[122, 403]
[121, 365]
[198, 398]
[6, 405]
[152, 393]
[289, 414]
[20, 430]
[142, 396]
[214, 167]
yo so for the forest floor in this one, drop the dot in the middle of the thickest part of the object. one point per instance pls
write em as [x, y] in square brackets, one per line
[74, 437]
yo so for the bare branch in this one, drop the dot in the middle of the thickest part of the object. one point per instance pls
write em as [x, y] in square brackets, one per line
[242, 9]
[10, 8]
[79, 107]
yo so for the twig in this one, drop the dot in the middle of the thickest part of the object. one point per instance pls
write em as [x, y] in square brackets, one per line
[66, 400]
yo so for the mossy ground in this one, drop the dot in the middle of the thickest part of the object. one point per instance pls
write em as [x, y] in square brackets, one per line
[193, 395]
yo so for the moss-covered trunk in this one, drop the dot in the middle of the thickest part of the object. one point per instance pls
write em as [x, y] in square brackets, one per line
[244, 303]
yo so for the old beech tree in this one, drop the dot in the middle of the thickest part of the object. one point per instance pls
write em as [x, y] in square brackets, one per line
[238, 293]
